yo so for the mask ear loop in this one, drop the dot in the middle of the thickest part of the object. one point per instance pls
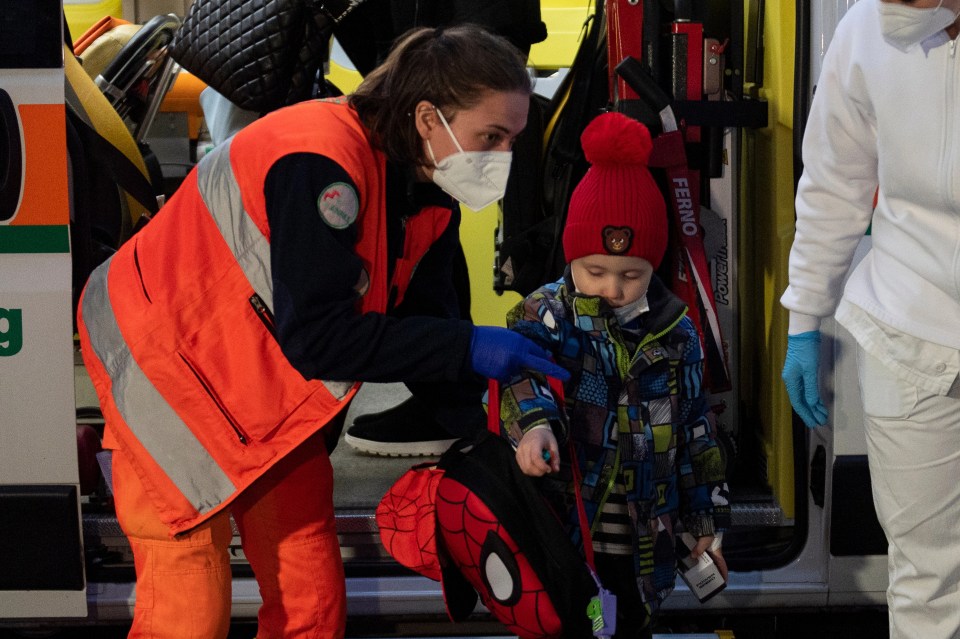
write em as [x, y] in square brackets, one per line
[443, 120]
[433, 158]
[456, 143]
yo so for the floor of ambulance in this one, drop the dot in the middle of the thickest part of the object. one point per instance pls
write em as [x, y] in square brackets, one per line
[360, 480]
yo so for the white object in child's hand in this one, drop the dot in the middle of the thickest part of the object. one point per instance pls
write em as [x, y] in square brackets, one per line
[701, 574]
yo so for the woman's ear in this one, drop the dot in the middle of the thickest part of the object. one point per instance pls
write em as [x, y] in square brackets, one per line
[425, 118]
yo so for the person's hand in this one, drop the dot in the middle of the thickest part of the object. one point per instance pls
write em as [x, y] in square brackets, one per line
[801, 369]
[710, 545]
[499, 353]
[538, 453]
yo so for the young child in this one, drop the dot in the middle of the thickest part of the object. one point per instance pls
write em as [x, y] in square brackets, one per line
[634, 408]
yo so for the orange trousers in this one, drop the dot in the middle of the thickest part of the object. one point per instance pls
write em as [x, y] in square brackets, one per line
[288, 533]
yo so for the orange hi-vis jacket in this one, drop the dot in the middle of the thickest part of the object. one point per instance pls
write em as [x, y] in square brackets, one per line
[176, 328]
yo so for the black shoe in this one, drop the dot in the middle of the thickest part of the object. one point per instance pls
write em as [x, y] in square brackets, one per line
[406, 430]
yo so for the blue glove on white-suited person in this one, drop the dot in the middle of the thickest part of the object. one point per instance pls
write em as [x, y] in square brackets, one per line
[499, 353]
[801, 369]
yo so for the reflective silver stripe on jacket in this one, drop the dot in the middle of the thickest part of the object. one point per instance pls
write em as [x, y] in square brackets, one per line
[150, 418]
[220, 193]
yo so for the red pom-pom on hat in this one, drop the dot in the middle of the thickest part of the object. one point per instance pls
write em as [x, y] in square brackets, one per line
[617, 208]
[614, 138]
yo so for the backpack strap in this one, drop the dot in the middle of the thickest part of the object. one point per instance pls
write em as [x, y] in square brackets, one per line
[493, 425]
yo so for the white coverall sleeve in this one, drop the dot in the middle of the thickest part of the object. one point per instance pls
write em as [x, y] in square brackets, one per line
[834, 202]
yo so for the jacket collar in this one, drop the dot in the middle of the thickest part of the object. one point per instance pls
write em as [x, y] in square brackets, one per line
[408, 196]
[666, 309]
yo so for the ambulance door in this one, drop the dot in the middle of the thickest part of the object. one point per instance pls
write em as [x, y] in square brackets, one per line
[41, 550]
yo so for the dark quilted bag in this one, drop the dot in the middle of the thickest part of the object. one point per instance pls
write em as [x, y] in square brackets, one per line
[260, 54]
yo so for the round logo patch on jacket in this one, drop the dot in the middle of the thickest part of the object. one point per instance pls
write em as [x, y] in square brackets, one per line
[338, 205]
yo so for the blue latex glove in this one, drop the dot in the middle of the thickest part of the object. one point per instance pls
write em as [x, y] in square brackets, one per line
[499, 353]
[800, 373]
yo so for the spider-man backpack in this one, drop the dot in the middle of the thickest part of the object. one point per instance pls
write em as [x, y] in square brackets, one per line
[477, 524]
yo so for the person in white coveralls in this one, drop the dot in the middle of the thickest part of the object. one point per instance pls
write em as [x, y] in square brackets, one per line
[886, 113]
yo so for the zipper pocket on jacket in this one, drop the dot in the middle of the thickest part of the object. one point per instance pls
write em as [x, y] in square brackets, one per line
[136, 263]
[260, 308]
[241, 436]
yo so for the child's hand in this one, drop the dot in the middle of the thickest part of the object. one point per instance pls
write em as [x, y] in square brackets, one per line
[704, 546]
[538, 453]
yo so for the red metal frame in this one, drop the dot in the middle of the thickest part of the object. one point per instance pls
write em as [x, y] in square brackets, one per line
[624, 38]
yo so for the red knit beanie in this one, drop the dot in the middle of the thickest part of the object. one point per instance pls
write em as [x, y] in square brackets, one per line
[617, 208]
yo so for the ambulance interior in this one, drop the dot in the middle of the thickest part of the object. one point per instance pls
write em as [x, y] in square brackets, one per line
[746, 153]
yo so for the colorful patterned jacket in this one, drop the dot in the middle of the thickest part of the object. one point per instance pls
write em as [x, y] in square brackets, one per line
[638, 416]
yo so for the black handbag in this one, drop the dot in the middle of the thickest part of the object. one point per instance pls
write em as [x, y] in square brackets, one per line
[259, 54]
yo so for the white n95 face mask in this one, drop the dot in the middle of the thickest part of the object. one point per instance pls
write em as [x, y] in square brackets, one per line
[629, 312]
[475, 178]
[904, 26]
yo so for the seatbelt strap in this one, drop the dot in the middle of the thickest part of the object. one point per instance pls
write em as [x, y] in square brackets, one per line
[121, 158]
[118, 167]
[690, 273]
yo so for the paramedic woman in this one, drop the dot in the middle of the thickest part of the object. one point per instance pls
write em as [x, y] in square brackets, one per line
[307, 253]
[887, 112]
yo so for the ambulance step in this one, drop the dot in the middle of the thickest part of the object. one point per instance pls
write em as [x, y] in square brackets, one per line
[359, 538]
[755, 514]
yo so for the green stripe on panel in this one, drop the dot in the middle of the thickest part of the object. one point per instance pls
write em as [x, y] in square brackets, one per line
[35, 239]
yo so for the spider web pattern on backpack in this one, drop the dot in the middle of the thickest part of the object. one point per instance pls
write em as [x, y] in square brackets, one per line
[486, 554]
